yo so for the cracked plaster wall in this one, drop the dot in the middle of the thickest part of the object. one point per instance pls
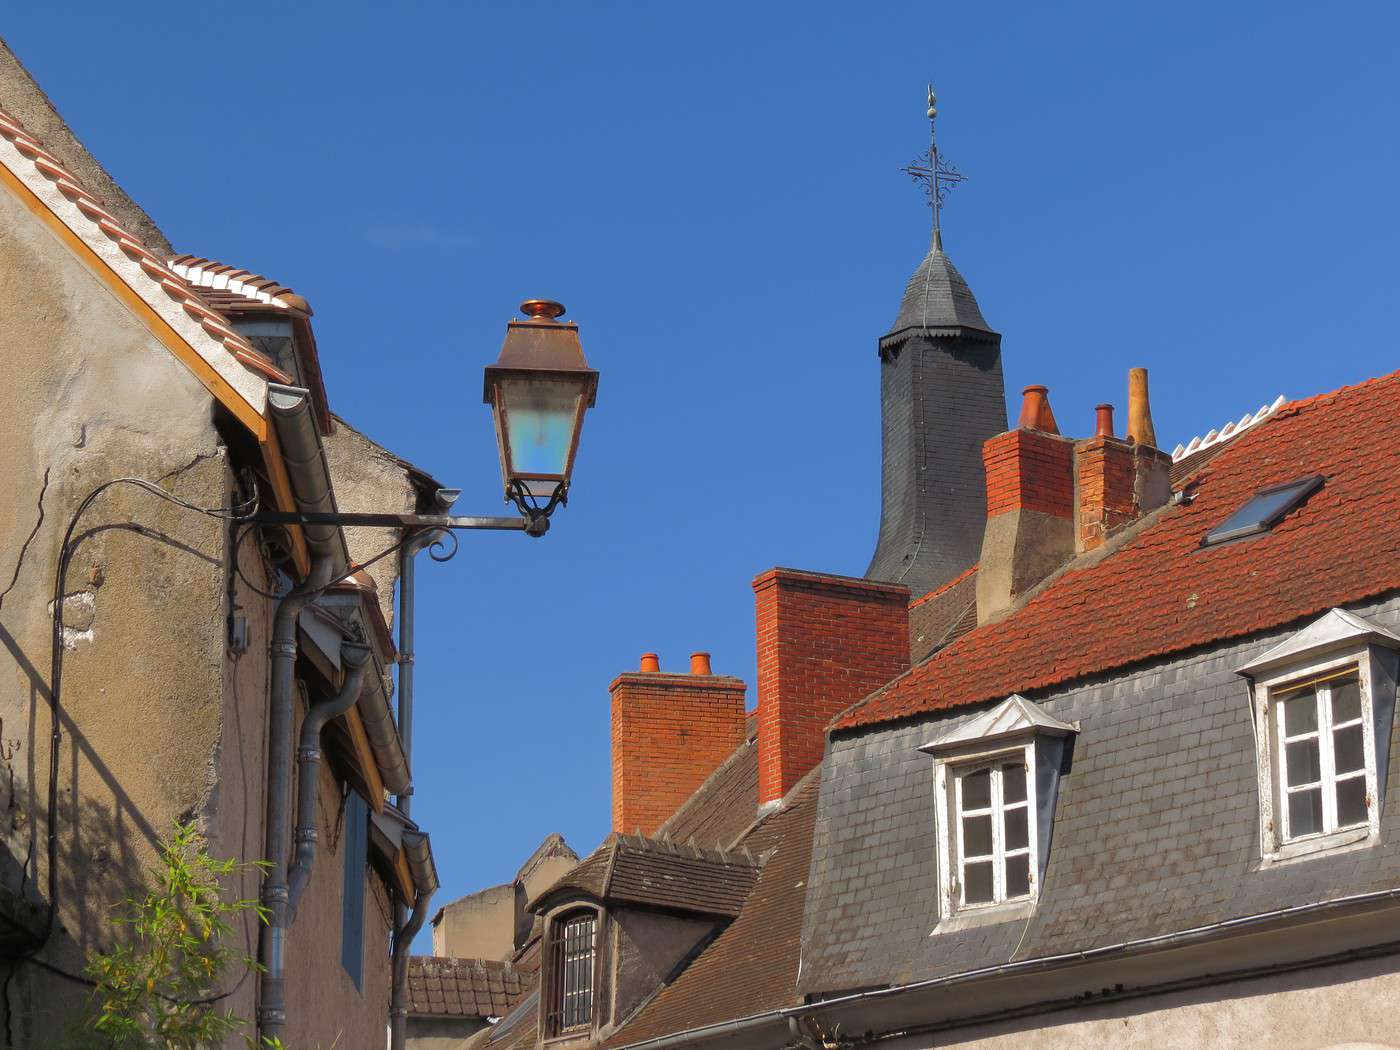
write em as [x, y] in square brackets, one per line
[92, 396]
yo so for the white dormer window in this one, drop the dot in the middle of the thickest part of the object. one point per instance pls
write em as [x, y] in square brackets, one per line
[994, 817]
[996, 779]
[1323, 704]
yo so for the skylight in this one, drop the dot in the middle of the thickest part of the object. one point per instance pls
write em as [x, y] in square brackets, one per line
[1265, 509]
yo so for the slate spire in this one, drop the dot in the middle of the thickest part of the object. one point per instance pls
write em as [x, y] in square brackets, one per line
[941, 397]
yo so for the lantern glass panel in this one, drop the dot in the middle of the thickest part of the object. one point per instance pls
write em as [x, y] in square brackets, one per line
[539, 413]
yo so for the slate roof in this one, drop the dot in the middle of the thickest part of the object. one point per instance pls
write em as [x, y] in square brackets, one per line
[441, 987]
[631, 869]
[1155, 831]
[752, 966]
[937, 299]
[1166, 594]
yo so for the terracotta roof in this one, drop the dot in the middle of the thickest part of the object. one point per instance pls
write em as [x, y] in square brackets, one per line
[631, 869]
[442, 987]
[752, 965]
[155, 270]
[238, 292]
[233, 284]
[1160, 592]
[723, 807]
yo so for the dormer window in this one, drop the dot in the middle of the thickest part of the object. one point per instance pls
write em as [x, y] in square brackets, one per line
[1323, 704]
[994, 814]
[996, 780]
[572, 954]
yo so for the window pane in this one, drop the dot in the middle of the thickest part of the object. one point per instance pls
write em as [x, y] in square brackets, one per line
[1016, 831]
[1303, 765]
[1351, 801]
[1018, 876]
[1013, 782]
[977, 790]
[1349, 752]
[977, 882]
[1300, 713]
[977, 836]
[1346, 700]
[1305, 812]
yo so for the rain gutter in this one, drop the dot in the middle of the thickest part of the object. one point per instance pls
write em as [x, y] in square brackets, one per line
[779, 1019]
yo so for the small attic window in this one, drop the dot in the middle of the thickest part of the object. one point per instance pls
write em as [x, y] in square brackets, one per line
[1265, 509]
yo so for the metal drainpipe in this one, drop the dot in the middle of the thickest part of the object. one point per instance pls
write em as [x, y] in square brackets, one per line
[403, 940]
[356, 659]
[397, 980]
[272, 1003]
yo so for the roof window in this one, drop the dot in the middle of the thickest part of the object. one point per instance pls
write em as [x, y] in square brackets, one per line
[1265, 509]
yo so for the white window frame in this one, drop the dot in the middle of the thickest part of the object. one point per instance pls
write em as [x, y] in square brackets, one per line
[1277, 842]
[949, 772]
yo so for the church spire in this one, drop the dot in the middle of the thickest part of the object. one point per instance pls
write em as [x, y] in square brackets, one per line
[941, 397]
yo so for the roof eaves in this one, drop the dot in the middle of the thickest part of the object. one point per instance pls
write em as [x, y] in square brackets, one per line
[199, 336]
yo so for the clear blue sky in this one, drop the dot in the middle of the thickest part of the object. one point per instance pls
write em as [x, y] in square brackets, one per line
[714, 191]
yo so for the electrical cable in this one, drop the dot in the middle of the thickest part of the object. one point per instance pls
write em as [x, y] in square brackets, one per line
[240, 516]
[65, 557]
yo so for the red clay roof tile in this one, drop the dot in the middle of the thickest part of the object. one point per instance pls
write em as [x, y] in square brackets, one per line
[1160, 592]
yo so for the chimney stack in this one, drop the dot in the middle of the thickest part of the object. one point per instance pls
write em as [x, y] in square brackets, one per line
[1119, 481]
[1030, 506]
[824, 642]
[669, 733]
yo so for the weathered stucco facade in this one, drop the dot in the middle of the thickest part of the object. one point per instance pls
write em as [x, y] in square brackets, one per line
[163, 718]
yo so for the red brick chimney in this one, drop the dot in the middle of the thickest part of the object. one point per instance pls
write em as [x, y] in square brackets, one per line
[669, 733]
[1030, 506]
[824, 642]
[1118, 480]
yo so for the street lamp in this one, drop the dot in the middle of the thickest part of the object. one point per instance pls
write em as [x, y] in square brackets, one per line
[538, 391]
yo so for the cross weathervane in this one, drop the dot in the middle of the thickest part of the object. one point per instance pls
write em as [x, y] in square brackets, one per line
[936, 174]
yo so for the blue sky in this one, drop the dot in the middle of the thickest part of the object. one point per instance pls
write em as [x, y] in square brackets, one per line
[714, 192]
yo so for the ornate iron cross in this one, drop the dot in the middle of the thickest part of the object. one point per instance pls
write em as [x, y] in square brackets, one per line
[938, 176]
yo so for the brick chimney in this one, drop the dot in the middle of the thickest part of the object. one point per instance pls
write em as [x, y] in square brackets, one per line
[1118, 480]
[669, 733]
[1030, 506]
[824, 642]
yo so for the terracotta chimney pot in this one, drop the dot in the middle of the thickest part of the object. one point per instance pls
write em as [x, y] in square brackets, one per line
[1140, 409]
[700, 663]
[1035, 410]
[651, 663]
[1103, 421]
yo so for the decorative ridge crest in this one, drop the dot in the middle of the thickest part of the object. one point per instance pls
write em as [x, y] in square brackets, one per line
[1230, 430]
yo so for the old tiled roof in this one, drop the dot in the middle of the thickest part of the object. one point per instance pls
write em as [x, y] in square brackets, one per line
[237, 293]
[441, 987]
[233, 286]
[723, 807]
[631, 869]
[752, 965]
[1160, 592]
[937, 299]
[154, 268]
[933, 618]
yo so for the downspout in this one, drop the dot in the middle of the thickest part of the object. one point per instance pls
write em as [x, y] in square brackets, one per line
[406, 926]
[356, 660]
[425, 883]
[290, 411]
[272, 1004]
